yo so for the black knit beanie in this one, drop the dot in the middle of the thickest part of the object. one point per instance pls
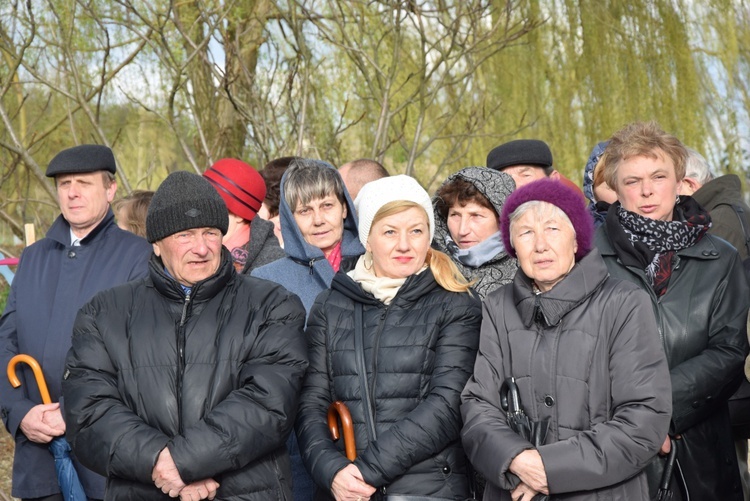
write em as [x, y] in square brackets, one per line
[182, 202]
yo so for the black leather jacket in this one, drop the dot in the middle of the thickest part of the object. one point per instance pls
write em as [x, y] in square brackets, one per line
[702, 323]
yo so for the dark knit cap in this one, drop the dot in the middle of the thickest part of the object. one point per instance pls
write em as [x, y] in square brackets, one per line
[182, 202]
[520, 152]
[559, 195]
[82, 159]
[241, 187]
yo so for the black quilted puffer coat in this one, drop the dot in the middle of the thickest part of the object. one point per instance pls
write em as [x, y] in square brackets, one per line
[418, 352]
[215, 377]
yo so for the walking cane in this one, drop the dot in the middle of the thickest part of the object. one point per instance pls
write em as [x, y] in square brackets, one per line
[38, 375]
[339, 410]
[67, 477]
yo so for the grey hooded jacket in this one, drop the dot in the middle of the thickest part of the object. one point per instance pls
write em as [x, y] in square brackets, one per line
[586, 355]
[496, 187]
[305, 271]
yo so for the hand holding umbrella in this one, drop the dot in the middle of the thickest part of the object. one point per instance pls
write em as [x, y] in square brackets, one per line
[533, 431]
[67, 478]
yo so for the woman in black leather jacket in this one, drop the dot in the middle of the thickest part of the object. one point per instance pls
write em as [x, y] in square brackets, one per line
[395, 340]
[657, 239]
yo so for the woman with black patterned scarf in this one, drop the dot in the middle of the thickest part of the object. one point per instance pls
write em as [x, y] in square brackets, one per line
[658, 239]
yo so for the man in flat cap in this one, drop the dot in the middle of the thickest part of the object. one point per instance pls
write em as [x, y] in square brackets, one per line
[525, 160]
[83, 253]
[186, 382]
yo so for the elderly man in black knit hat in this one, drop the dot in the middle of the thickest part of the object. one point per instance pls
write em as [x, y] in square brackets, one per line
[83, 253]
[185, 383]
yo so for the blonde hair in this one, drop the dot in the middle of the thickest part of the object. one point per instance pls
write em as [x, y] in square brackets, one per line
[641, 139]
[443, 268]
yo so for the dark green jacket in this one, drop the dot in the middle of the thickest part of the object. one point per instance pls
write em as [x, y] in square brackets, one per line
[714, 197]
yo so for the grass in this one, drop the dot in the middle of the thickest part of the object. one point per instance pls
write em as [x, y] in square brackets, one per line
[6, 464]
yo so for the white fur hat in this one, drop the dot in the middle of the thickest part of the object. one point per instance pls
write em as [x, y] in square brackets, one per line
[376, 194]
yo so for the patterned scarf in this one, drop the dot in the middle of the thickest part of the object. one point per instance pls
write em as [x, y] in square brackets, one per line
[653, 243]
[481, 253]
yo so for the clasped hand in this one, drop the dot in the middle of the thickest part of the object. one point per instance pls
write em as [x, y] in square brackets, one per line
[348, 485]
[528, 466]
[167, 478]
[43, 422]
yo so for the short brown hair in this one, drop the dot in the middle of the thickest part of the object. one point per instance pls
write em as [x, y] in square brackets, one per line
[272, 173]
[461, 192]
[136, 207]
[642, 139]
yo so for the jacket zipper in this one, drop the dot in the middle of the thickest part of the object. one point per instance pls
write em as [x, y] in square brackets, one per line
[375, 349]
[181, 358]
[655, 300]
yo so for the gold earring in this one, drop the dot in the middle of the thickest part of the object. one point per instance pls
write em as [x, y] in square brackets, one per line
[368, 267]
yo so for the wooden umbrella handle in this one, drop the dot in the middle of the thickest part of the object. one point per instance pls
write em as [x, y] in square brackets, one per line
[38, 375]
[336, 410]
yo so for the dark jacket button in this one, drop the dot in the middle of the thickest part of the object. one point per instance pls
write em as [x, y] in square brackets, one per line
[446, 470]
[706, 253]
[696, 404]
[549, 401]
[71, 254]
[714, 253]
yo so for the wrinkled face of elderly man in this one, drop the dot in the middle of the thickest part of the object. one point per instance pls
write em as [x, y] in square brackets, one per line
[191, 255]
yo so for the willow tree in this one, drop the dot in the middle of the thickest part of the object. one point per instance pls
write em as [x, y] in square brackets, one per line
[596, 65]
[407, 71]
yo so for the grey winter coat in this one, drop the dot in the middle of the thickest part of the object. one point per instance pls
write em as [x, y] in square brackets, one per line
[702, 324]
[714, 197]
[586, 355]
[499, 270]
[416, 356]
[263, 247]
[214, 376]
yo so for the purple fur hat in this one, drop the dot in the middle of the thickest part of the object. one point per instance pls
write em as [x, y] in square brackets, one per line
[559, 195]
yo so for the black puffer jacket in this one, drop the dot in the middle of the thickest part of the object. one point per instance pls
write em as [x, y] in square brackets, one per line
[418, 353]
[702, 323]
[224, 408]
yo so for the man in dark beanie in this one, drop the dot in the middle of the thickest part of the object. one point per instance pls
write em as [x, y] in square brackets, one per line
[83, 253]
[185, 383]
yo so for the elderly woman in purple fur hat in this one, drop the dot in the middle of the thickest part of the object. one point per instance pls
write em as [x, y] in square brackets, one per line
[583, 352]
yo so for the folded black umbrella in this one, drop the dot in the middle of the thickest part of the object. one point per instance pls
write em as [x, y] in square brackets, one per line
[533, 431]
[665, 493]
